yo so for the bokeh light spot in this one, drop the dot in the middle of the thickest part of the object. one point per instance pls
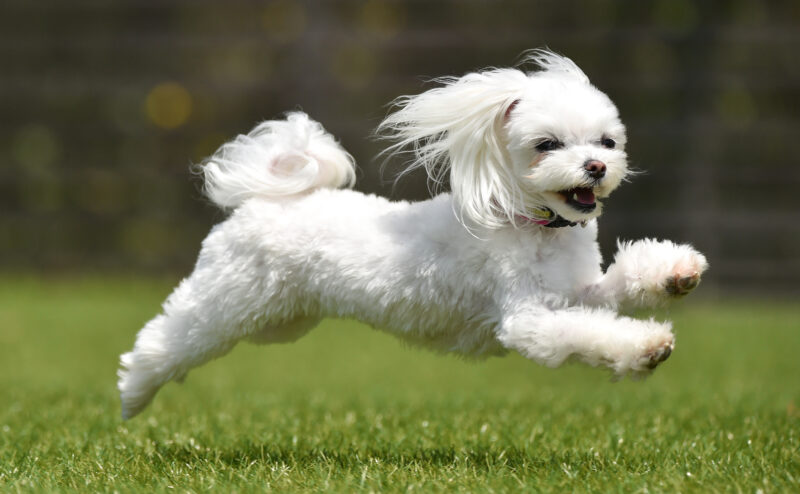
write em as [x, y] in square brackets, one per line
[285, 20]
[168, 105]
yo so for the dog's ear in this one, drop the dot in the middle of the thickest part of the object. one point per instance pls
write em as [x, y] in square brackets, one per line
[508, 111]
[457, 129]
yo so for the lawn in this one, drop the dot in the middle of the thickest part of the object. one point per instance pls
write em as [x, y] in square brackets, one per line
[350, 409]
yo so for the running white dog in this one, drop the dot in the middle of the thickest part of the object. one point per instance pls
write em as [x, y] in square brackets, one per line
[507, 260]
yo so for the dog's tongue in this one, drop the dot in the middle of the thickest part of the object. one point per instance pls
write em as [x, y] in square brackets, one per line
[584, 196]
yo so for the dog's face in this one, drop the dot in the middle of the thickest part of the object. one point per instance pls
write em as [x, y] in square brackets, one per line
[567, 145]
[517, 146]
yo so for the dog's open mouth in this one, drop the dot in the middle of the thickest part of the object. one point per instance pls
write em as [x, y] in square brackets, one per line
[580, 198]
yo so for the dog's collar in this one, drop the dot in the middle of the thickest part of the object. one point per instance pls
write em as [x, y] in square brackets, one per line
[546, 217]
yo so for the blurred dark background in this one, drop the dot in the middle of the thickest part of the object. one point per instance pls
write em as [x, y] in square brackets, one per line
[104, 105]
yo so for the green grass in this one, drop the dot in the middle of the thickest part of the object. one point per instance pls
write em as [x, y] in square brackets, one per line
[350, 409]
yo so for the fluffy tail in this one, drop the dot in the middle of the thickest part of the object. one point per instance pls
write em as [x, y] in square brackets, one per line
[276, 160]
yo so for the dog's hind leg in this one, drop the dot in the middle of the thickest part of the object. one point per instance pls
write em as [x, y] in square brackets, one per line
[199, 323]
[166, 349]
[204, 319]
[158, 356]
[169, 346]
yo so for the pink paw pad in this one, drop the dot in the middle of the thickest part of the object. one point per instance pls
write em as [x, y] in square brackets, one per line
[681, 284]
[658, 355]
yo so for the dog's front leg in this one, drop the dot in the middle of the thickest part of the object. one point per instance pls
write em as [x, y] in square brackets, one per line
[647, 273]
[594, 336]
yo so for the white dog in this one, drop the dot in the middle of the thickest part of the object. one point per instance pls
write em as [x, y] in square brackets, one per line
[507, 260]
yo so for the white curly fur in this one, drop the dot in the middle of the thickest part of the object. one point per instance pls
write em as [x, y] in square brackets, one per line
[489, 278]
[277, 159]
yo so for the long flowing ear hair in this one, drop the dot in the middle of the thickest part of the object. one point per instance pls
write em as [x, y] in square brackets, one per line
[457, 129]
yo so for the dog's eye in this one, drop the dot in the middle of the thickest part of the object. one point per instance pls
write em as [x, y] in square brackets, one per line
[607, 142]
[549, 145]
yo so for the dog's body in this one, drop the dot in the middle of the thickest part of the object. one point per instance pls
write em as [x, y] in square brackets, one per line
[478, 271]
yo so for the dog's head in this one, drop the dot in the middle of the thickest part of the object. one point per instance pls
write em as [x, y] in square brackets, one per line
[518, 147]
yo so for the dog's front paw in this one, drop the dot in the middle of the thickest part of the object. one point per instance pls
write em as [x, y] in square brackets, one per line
[651, 357]
[659, 271]
[681, 283]
[641, 347]
[686, 272]
[656, 355]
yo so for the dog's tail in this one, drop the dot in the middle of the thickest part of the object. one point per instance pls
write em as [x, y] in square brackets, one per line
[278, 159]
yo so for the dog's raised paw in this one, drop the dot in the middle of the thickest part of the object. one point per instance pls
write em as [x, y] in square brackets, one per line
[650, 356]
[658, 355]
[685, 274]
[681, 284]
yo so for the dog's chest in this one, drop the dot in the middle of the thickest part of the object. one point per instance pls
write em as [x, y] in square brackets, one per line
[553, 263]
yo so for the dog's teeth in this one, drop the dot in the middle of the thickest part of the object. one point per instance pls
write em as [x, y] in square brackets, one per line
[575, 196]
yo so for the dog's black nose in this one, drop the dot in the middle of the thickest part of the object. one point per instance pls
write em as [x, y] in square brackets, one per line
[595, 168]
